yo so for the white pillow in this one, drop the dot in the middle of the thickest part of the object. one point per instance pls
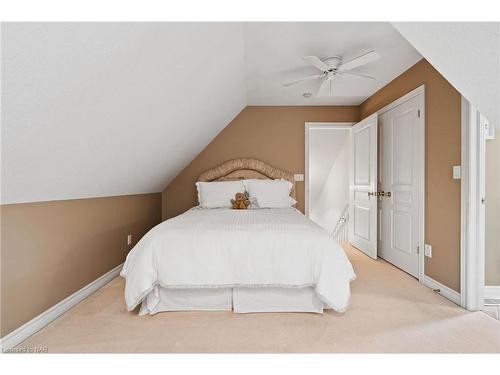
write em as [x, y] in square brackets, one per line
[270, 193]
[218, 194]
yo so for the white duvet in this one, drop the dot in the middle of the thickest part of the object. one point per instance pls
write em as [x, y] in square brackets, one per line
[212, 248]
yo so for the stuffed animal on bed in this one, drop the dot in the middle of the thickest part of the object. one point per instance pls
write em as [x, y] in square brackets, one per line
[240, 201]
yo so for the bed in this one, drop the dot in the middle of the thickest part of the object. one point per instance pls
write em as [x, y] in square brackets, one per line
[254, 260]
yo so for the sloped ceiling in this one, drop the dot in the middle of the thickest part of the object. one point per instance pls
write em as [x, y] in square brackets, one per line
[467, 54]
[102, 109]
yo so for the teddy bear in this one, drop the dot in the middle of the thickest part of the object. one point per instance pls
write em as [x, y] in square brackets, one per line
[240, 201]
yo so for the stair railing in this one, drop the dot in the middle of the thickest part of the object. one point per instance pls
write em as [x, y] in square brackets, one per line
[340, 231]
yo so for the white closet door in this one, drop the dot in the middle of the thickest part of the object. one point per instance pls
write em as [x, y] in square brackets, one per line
[399, 182]
[363, 185]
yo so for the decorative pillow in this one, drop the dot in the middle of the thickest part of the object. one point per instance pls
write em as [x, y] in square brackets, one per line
[270, 193]
[254, 205]
[218, 194]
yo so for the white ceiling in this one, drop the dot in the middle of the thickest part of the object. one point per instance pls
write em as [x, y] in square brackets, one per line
[467, 54]
[102, 109]
[274, 54]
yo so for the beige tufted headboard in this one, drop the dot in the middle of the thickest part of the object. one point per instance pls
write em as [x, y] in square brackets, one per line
[244, 168]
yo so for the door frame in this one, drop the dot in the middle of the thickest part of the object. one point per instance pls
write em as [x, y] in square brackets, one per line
[421, 169]
[318, 125]
[472, 241]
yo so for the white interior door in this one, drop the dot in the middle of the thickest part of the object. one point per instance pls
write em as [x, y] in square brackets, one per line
[399, 199]
[363, 185]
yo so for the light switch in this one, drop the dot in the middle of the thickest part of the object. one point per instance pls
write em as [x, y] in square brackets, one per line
[428, 250]
[298, 177]
[457, 172]
[129, 239]
[489, 130]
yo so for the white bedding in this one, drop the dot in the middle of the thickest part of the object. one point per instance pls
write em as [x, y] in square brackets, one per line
[224, 248]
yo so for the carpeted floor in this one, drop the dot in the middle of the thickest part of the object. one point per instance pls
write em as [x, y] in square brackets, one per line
[390, 312]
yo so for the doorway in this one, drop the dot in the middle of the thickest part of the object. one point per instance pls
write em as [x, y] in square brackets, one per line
[400, 183]
[491, 218]
[327, 148]
[480, 252]
[383, 215]
[387, 184]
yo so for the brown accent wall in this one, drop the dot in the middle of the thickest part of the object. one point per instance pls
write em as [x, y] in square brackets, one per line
[272, 134]
[442, 151]
[52, 249]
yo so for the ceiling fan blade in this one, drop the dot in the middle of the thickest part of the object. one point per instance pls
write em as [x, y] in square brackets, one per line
[316, 76]
[359, 75]
[359, 61]
[326, 88]
[315, 61]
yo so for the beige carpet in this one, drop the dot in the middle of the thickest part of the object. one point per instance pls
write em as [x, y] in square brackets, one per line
[390, 312]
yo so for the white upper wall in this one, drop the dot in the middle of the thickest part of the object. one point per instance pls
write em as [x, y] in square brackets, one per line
[328, 175]
[467, 54]
[102, 109]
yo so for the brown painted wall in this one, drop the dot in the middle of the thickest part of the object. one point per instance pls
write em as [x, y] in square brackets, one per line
[52, 249]
[272, 134]
[442, 151]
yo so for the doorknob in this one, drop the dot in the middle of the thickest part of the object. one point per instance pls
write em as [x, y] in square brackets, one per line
[371, 193]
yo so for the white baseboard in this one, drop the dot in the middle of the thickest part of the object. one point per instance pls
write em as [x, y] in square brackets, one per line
[493, 311]
[38, 322]
[446, 292]
[492, 291]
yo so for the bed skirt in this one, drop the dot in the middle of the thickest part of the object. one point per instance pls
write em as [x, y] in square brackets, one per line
[240, 300]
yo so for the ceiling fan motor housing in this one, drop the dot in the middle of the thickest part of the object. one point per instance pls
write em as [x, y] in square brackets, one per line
[333, 62]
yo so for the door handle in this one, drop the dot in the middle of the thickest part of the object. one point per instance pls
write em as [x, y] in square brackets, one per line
[379, 194]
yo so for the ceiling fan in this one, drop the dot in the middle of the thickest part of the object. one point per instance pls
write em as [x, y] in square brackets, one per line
[333, 66]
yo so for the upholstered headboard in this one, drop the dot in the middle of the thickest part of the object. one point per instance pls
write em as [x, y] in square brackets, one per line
[241, 169]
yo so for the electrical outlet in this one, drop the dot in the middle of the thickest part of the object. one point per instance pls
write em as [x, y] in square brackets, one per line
[428, 250]
[129, 239]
